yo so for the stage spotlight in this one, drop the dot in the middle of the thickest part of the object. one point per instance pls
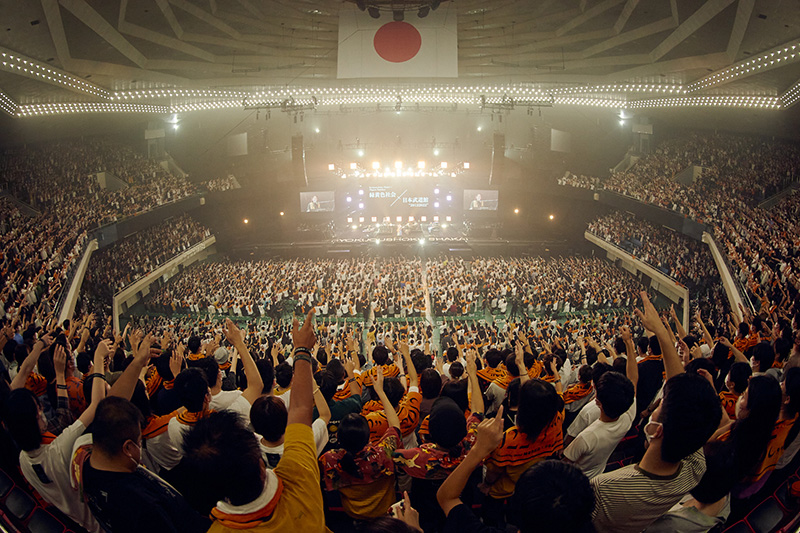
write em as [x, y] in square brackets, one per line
[423, 219]
[354, 226]
[361, 192]
[436, 218]
[422, 241]
[175, 126]
[349, 220]
[376, 165]
[466, 166]
[377, 241]
[423, 12]
[436, 152]
[444, 164]
[398, 165]
[621, 123]
[449, 219]
[373, 12]
[436, 191]
[374, 219]
[361, 153]
[353, 166]
[316, 130]
[516, 211]
[480, 128]
[420, 165]
[552, 217]
[398, 15]
[435, 204]
[348, 199]
[246, 221]
[281, 213]
[361, 205]
[399, 219]
[361, 219]
[331, 166]
[449, 198]
[444, 226]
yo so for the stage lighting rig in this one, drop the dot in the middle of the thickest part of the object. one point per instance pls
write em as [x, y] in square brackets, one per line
[398, 8]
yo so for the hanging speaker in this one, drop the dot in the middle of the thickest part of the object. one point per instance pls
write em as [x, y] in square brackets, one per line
[299, 162]
[498, 157]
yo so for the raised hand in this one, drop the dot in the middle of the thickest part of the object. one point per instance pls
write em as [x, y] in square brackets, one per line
[304, 337]
[378, 381]
[649, 317]
[233, 333]
[103, 349]
[60, 360]
[489, 434]
[625, 333]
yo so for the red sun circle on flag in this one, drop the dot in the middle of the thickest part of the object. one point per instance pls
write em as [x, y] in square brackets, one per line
[397, 41]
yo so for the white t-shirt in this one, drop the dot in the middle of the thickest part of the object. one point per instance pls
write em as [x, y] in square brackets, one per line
[320, 429]
[47, 470]
[587, 415]
[161, 453]
[224, 399]
[593, 446]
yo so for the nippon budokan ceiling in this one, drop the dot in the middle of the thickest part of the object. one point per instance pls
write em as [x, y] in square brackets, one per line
[178, 56]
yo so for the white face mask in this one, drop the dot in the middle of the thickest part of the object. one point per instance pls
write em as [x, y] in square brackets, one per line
[135, 462]
[655, 426]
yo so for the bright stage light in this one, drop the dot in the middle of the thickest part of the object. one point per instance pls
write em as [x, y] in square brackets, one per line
[435, 204]
[377, 241]
[449, 198]
[349, 220]
[354, 226]
[422, 241]
[316, 130]
[436, 152]
[374, 219]
[466, 166]
[398, 165]
[449, 219]
[444, 164]
[353, 166]
[361, 192]
[348, 199]
[399, 219]
[436, 218]
[436, 191]
[361, 219]
[246, 221]
[444, 226]
[480, 128]
[552, 217]
[175, 126]
[331, 166]
[421, 165]
[376, 165]
[423, 219]
[281, 213]
[361, 205]
[516, 211]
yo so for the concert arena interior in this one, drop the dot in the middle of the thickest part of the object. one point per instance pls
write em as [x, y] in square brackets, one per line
[399, 266]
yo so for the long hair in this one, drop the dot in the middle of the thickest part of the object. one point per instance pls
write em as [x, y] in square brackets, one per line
[353, 436]
[750, 435]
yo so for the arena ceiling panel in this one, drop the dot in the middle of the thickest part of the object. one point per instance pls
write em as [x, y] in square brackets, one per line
[184, 55]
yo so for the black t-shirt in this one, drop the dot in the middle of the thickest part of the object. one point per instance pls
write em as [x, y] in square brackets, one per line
[651, 377]
[461, 519]
[136, 502]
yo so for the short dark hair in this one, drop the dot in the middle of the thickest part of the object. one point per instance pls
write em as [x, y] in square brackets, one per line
[493, 358]
[642, 344]
[598, 369]
[615, 394]
[336, 368]
[620, 364]
[701, 363]
[538, 404]
[193, 344]
[585, 374]
[690, 413]
[116, 421]
[269, 417]
[430, 383]
[556, 497]
[739, 374]
[394, 390]
[221, 450]
[764, 354]
[420, 361]
[457, 391]
[21, 417]
[511, 365]
[191, 387]
[328, 385]
[456, 370]
[654, 345]
[380, 355]
[284, 374]
[210, 369]
[452, 354]
[267, 372]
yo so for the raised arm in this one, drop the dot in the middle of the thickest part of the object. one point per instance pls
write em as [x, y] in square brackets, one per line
[631, 367]
[126, 383]
[413, 380]
[388, 408]
[476, 400]
[254, 382]
[651, 321]
[706, 334]
[302, 404]
[678, 325]
[489, 437]
[737, 354]
[30, 362]
[98, 383]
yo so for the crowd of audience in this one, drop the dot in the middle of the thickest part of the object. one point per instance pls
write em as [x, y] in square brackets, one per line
[221, 184]
[198, 424]
[125, 261]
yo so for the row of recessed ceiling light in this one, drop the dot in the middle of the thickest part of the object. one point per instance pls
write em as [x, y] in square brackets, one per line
[768, 102]
[791, 95]
[7, 104]
[15, 63]
[767, 59]
[31, 110]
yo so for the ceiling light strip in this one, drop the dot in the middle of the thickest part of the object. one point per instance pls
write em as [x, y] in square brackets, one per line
[764, 102]
[31, 110]
[24, 66]
[7, 104]
[779, 56]
[790, 97]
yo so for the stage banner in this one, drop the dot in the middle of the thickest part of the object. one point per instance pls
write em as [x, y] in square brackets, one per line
[382, 48]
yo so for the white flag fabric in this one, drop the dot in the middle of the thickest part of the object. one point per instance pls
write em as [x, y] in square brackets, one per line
[382, 48]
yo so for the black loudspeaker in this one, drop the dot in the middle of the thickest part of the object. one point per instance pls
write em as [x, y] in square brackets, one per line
[498, 157]
[299, 162]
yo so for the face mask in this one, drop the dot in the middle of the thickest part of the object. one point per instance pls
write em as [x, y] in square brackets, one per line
[135, 462]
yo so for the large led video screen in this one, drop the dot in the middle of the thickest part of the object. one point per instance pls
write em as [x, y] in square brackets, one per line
[480, 200]
[317, 202]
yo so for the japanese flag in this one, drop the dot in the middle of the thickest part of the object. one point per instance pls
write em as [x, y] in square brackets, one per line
[381, 48]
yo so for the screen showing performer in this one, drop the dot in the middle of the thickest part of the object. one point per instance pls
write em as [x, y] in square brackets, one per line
[480, 200]
[317, 202]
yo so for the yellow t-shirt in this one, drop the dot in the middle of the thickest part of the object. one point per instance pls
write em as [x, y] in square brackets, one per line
[300, 505]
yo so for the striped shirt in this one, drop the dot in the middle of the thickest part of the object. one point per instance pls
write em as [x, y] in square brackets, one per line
[630, 499]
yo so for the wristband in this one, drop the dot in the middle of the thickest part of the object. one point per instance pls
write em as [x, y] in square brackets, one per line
[61, 387]
[300, 349]
[96, 375]
[300, 356]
